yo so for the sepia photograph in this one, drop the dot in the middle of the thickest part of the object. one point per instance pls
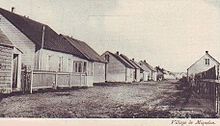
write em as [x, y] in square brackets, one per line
[110, 59]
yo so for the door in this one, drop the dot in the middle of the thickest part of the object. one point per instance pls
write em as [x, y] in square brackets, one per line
[15, 71]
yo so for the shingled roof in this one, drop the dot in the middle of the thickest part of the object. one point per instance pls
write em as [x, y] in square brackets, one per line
[34, 30]
[4, 40]
[128, 60]
[52, 41]
[137, 65]
[148, 65]
[122, 60]
[85, 49]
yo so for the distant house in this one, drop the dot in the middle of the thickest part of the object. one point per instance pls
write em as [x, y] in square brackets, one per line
[38, 47]
[203, 64]
[117, 68]
[152, 73]
[140, 73]
[160, 73]
[137, 72]
[7, 60]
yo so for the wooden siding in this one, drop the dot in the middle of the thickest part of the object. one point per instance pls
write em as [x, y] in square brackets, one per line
[5, 67]
[117, 72]
[20, 41]
[200, 66]
[99, 72]
[52, 64]
[48, 79]
[151, 74]
[41, 59]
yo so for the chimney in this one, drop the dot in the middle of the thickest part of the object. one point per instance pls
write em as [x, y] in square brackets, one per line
[117, 52]
[12, 9]
[42, 37]
[133, 59]
[145, 61]
[206, 52]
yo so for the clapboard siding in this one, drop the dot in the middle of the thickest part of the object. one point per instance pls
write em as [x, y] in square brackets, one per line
[5, 66]
[20, 41]
[99, 72]
[115, 71]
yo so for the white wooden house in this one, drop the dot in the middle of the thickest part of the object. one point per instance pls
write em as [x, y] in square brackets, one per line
[96, 62]
[117, 68]
[39, 47]
[203, 64]
[152, 73]
[139, 71]
[6, 64]
[136, 67]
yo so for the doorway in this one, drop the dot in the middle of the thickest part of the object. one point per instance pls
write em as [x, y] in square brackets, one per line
[15, 71]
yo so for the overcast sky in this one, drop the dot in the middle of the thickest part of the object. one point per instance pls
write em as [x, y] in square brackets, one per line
[169, 33]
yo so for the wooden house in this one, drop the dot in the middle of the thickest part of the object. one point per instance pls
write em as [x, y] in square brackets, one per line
[135, 66]
[139, 71]
[7, 60]
[203, 64]
[38, 47]
[117, 68]
[152, 73]
[96, 62]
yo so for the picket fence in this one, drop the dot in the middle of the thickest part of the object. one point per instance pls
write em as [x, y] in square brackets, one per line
[38, 79]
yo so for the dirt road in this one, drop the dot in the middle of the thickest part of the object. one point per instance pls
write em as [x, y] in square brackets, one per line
[145, 100]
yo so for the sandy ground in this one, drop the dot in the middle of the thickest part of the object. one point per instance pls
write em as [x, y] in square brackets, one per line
[151, 99]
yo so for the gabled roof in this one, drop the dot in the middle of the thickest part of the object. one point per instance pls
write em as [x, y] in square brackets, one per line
[202, 57]
[148, 65]
[84, 49]
[128, 60]
[34, 30]
[4, 40]
[119, 58]
[137, 65]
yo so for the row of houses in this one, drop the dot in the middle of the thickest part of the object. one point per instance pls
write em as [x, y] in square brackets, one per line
[25, 43]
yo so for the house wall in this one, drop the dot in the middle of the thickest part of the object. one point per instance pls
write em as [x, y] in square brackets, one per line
[115, 70]
[200, 66]
[138, 74]
[57, 61]
[154, 75]
[20, 41]
[6, 54]
[151, 74]
[99, 72]
[130, 75]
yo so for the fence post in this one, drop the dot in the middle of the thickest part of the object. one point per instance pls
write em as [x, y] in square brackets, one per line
[32, 79]
[80, 79]
[56, 76]
[216, 99]
[70, 74]
[85, 79]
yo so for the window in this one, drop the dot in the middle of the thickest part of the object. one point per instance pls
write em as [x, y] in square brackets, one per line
[107, 57]
[69, 65]
[75, 67]
[48, 65]
[60, 64]
[207, 61]
[84, 67]
[79, 67]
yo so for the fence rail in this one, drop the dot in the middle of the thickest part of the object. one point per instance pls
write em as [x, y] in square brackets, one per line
[37, 79]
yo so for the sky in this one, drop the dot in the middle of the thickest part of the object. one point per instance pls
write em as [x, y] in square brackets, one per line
[172, 34]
